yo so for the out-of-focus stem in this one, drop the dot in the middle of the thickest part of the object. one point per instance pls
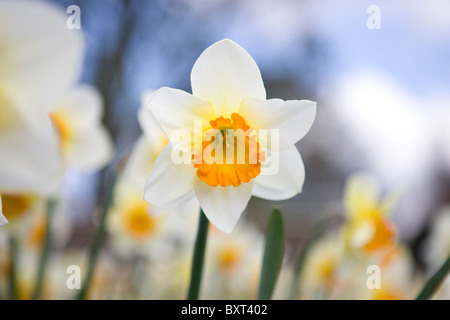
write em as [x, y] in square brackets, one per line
[46, 249]
[13, 268]
[99, 237]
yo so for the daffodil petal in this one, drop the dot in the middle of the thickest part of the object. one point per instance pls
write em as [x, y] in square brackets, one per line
[361, 195]
[89, 151]
[30, 159]
[169, 184]
[223, 206]
[225, 74]
[40, 55]
[82, 107]
[140, 162]
[287, 182]
[176, 110]
[292, 118]
[153, 133]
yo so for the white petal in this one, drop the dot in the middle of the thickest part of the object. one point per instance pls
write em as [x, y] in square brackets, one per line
[292, 118]
[82, 106]
[39, 55]
[169, 184]
[361, 194]
[175, 109]
[140, 162]
[153, 133]
[30, 160]
[287, 182]
[225, 74]
[3, 220]
[223, 206]
[90, 150]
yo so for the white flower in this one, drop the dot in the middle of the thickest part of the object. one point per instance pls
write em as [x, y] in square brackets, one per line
[368, 227]
[83, 141]
[3, 220]
[137, 227]
[233, 263]
[228, 93]
[39, 59]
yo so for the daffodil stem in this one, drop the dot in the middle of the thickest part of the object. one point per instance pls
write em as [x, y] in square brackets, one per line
[434, 282]
[13, 268]
[46, 249]
[99, 237]
[198, 257]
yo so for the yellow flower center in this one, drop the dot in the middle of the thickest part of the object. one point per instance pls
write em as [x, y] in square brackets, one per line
[229, 258]
[241, 157]
[325, 269]
[383, 237]
[62, 126]
[139, 223]
[15, 206]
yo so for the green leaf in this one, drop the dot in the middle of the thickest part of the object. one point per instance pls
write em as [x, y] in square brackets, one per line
[273, 256]
[431, 286]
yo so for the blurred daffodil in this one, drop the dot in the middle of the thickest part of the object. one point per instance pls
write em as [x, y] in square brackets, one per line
[228, 96]
[39, 59]
[136, 227]
[233, 263]
[83, 141]
[322, 266]
[368, 226]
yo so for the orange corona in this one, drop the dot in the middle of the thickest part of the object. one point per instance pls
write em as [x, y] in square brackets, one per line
[225, 173]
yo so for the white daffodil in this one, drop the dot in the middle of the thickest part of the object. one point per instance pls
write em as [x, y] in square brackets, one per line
[322, 264]
[233, 263]
[39, 59]
[137, 227]
[83, 141]
[228, 97]
[3, 220]
[368, 227]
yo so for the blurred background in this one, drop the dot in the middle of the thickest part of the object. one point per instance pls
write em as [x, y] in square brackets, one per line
[383, 96]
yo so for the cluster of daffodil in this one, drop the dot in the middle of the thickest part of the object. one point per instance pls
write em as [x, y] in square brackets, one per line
[49, 123]
[342, 263]
[172, 214]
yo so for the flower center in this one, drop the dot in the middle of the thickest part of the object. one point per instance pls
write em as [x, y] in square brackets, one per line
[230, 153]
[15, 206]
[139, 223]
[384, 235]
[229, 257]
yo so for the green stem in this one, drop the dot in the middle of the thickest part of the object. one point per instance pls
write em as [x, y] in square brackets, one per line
[198, 257]
[13, 268]
[99, 238]
[46, 249]
[432, 284]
